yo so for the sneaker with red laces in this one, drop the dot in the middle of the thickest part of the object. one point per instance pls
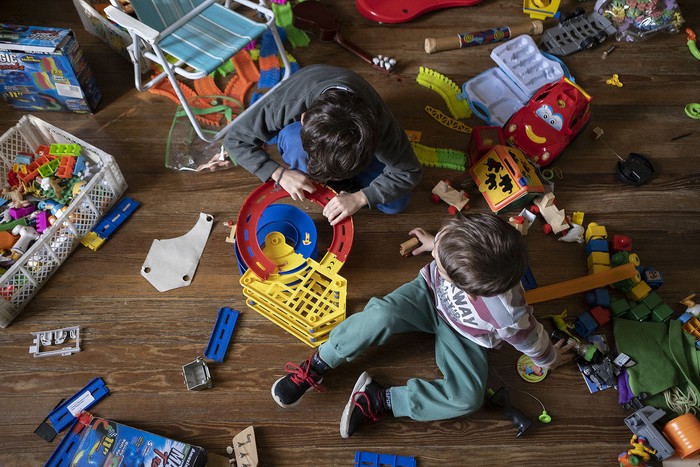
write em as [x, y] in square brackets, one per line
[365, 405]
[287, 390]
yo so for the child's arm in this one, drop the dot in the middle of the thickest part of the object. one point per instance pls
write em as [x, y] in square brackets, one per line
[563, 354]
[426, 239]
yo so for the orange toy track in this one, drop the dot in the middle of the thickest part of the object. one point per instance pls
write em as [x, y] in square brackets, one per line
[164, 88]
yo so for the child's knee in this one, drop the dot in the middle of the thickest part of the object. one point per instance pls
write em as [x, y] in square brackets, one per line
[395, 206]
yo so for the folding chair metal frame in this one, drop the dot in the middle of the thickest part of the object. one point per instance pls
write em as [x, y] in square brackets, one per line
[146, 43]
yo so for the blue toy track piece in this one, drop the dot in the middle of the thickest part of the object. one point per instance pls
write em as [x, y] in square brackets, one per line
[371, 459]
[291, 222]
[115, 217]
[62, 415]
[221, 336]
[68, 447]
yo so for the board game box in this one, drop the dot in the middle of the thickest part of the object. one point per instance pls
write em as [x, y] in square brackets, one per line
[43, 69]
[94, 441]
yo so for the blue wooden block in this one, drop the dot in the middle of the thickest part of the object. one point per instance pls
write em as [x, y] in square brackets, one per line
[221, 335]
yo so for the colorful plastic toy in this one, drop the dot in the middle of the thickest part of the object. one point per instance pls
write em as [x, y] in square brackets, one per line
[221, 335]
[307, 301]
[575, 33]
[541, 9]
[401, 11]
[555, 115]
[110, 223]
[506, 178]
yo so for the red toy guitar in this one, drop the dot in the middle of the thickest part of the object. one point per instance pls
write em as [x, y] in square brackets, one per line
[400, 11]
[313, 16]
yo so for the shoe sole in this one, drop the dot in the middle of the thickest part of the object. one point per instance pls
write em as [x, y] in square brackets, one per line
[279, 401]
[362, 382]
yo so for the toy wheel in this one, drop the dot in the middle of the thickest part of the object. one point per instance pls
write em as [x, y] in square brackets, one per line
[587, 43]
[547, 229]
[452, 210]
[535, 209]
[435, 198]
[602, 37]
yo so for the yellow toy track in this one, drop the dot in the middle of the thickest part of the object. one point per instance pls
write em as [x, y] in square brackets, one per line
[447, 89]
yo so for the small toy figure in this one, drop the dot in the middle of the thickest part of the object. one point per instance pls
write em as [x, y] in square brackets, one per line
[641, 448]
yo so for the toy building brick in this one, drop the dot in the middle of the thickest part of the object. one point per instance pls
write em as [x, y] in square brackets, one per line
[44, 69]
[506, 178]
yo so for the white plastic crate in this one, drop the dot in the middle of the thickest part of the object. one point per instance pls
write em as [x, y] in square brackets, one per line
[24, 278]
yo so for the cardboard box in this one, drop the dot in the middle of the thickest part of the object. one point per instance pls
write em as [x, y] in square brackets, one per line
[94, 22]
[43, 69]
[94, 441]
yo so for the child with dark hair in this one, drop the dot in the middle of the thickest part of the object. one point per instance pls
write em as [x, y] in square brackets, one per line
[331, 126]
[469, 297]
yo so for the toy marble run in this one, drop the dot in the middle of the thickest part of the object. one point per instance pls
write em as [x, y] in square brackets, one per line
[301, 295]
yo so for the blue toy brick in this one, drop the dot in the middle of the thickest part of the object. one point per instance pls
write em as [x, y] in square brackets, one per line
[221, 335]
[585, 324]
[596, 245]
[598, 297]
[79, 166]
[528, 281]
[685, 317]
[61, 417]
[371, 459]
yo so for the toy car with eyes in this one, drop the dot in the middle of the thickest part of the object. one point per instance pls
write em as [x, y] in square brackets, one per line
[552, 118]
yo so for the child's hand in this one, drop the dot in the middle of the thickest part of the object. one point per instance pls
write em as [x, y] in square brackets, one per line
[344, 205]
[426, 239]
[563, 354]
[295, 183]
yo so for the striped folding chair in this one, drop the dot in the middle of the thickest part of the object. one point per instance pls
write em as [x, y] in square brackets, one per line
[199, 35]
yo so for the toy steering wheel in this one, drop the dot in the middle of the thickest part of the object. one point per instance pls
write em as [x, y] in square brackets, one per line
[247, 225]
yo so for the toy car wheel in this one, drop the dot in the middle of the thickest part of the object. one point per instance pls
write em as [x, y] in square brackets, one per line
[547, 229]
[602, 37]
[535, 209]
[452, 210]
[435, 199]
[587, 43]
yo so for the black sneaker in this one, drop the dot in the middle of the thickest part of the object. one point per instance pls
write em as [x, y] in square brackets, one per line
[287, 390]
[364, 406]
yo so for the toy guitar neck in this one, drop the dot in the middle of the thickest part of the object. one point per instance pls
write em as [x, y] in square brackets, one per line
[400, 11]
[313, 16]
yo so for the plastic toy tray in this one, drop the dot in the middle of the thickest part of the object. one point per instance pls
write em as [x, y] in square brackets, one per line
[24, 278]
[496, 94]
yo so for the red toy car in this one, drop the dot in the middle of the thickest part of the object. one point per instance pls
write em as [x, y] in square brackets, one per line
[553, 117]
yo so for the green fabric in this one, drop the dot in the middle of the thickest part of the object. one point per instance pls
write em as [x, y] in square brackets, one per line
[666, 356]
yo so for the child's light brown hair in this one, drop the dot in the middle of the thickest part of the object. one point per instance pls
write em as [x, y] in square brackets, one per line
[481, 253]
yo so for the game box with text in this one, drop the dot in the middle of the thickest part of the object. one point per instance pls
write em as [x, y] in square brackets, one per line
[99, 442]
[43, 69]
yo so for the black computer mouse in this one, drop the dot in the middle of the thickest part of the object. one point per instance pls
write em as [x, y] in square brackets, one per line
[635, 170]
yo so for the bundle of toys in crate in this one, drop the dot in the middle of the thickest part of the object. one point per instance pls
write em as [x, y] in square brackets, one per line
[56, 188]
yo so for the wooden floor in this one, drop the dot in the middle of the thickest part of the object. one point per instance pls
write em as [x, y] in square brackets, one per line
[137, 339]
